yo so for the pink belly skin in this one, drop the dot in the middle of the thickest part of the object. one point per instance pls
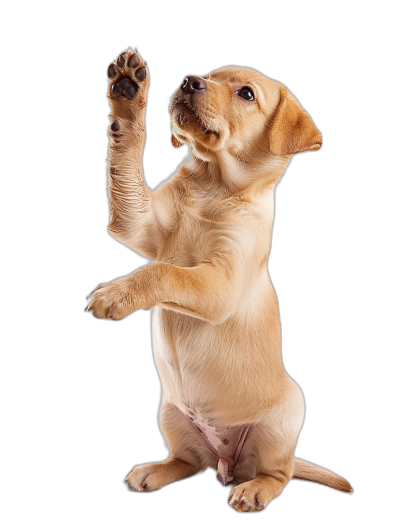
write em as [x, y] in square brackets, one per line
[225, 443]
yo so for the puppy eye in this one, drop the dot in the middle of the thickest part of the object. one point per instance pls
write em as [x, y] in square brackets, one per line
[246, 93]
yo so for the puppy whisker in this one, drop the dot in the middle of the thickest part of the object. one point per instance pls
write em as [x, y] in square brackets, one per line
[197, 169]
[213, 167]
[202, 132]
[247, 153]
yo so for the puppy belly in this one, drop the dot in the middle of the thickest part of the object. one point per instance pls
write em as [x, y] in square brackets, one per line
[224, 442]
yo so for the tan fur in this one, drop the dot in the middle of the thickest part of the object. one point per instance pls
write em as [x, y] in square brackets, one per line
[207, 230]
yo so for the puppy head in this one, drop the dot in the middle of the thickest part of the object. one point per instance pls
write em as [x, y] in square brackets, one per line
[241, 113]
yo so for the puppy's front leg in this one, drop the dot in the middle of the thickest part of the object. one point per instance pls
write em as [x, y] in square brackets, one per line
[204, 291]
[132, 218]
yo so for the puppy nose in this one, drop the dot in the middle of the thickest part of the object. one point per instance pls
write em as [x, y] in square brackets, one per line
[192, 83]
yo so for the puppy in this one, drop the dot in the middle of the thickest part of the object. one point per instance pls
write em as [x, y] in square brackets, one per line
[227, 401]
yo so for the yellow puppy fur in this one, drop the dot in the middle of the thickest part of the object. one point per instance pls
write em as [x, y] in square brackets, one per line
[207, 231]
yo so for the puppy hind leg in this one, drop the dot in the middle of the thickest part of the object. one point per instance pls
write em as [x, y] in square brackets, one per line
[184, 461]
[264, 468]
[153, 476]
[269, 450]
[274, 470]
[255, 495]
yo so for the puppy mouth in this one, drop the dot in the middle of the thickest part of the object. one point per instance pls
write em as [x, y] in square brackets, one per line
[185, 113]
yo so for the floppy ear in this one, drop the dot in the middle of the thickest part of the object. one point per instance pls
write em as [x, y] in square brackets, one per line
[175, 142]
[292, 130]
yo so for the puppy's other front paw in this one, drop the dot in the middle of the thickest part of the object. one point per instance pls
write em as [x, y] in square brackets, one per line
[128, 76]
[111, 301]
[124, 295]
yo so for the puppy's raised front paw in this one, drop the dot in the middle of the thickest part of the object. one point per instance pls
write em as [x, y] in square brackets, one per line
[128, 76]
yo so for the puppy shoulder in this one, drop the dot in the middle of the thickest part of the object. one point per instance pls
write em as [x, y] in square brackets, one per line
[169, 200]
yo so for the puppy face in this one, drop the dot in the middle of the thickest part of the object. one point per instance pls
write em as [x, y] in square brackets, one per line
[218, 110]
[241, 113]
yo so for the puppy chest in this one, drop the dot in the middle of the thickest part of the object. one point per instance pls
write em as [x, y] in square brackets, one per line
[192, 244]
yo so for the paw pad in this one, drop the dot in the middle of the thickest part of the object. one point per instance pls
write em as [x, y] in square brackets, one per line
[126, 87]
[112, 71]
[141, 73]
[134, 60]
[122, 60]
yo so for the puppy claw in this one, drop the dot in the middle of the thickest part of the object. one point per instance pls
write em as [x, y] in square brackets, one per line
[100, 286]
[246, 499]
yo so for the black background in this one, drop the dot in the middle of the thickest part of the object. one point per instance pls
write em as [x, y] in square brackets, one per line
[112, 396]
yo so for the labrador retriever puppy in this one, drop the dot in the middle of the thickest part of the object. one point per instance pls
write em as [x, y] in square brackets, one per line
[227, 401]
